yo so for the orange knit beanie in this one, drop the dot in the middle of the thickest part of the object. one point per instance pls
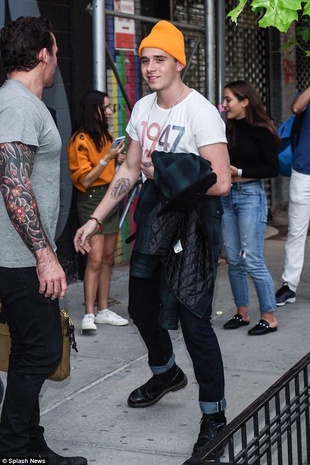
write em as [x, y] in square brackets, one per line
[168, 38]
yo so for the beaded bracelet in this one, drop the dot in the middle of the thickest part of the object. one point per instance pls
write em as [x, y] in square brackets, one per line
[97, 221]
[103, 162]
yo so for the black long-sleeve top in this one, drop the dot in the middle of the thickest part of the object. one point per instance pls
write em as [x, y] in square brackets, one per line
[255, 151]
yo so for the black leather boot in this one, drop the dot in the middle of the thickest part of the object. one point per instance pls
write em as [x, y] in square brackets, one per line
[210, 425]
[156, 387]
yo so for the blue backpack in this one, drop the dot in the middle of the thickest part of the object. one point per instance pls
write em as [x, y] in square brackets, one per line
[289, 133]
[285, 154]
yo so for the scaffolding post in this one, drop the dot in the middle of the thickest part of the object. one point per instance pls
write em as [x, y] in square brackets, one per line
[99, 55]
[210, 50]
[220, 50]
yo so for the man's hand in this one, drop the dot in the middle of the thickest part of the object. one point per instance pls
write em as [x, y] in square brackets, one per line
[83, 235]
[147, 168]
[51, 276]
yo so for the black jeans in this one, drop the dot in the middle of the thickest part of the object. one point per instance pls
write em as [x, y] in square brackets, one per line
[199, 337]
[36, 348]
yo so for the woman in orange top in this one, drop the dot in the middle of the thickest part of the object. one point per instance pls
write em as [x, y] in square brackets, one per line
[92, 166]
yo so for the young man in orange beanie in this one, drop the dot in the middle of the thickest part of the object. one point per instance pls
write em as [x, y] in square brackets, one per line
[176, 129]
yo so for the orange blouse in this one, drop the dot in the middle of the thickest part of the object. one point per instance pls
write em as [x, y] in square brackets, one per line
[83, 157]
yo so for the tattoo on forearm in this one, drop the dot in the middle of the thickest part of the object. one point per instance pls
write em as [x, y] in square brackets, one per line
[120, 188]
[16, 165]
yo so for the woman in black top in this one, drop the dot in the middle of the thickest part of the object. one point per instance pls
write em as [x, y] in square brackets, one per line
[253, 149]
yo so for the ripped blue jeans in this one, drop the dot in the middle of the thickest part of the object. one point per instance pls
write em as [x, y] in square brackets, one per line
[243, 228]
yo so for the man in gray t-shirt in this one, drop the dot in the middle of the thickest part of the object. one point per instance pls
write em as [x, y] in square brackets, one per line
[37, 130]
[31, 277]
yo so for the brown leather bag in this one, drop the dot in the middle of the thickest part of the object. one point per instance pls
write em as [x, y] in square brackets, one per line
[63, 370]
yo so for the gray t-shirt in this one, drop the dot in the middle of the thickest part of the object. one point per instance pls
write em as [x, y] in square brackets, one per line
[25, 118]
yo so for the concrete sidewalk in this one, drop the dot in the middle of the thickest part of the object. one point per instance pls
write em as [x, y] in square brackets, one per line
[88, 413]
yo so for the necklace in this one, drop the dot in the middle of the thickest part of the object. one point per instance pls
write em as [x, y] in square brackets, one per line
[156, 125]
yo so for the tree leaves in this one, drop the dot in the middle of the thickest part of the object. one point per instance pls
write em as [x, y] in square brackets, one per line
[233, 14]
[277, 13]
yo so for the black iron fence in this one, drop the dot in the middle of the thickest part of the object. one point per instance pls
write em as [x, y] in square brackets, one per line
[274, 429]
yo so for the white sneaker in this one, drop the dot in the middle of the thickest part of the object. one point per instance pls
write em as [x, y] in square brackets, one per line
[107, 317]
[88, 322]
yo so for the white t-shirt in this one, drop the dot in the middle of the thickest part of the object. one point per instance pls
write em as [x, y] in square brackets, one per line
[184, 128]
[25, 118]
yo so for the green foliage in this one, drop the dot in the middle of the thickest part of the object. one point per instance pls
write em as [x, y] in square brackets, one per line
[277, 13]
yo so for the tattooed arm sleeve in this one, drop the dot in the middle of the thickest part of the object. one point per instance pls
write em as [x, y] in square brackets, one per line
[16, 165]
[121, 188]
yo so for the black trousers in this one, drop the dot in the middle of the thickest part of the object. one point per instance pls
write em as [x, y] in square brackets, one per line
[199, 336]
[36, 348]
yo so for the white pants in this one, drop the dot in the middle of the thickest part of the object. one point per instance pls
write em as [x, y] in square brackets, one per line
[298, 222]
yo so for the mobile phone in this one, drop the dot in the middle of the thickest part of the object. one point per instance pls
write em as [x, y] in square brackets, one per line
[117, 141]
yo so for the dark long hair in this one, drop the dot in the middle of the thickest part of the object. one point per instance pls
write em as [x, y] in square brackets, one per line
[255, 111]
[92, 120]
[22, 40]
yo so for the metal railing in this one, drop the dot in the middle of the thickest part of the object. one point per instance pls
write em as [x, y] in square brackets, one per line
[274, 429]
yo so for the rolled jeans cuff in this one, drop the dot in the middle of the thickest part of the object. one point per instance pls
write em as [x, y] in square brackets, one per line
[213, 407]
[162, 369]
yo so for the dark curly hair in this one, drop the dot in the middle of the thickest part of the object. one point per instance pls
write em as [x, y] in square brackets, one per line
[21, 41]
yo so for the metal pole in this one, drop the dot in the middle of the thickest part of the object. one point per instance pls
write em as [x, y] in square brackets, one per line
[99, 33]
[122, 219]
[171, 11]
[210, 50]
[134, 190]
[220, 50]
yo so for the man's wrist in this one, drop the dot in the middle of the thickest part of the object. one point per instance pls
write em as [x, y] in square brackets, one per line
[44, 253]
[99, 223]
